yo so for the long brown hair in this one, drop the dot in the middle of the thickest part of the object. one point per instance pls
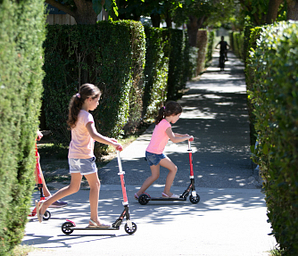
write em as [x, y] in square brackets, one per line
[171, 108]
[77, 101]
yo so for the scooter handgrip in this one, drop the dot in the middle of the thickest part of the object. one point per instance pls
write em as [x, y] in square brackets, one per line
[191, 139]
[119, 148]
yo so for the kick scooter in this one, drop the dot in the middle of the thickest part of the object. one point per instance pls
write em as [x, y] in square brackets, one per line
[130, 227]
[193, 198]
[47, 214]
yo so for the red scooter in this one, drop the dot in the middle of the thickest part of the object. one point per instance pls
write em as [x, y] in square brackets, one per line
[130, 227]
[193, 198]
[47, 214]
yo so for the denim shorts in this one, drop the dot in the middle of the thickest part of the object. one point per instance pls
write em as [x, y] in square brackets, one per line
[154, 159]
[82, 166]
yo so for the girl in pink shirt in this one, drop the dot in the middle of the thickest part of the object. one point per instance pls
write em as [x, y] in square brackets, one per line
[81, 157]
[154, 152]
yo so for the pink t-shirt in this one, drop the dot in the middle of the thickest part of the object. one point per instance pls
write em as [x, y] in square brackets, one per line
[159, 138]
[82, 144]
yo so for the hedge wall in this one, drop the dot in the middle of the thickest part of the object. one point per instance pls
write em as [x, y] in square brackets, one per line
[109, 55]
[177, 61]
[249, 78]
[21, 34]
[156, 70]
[211, 36]
[275, 99]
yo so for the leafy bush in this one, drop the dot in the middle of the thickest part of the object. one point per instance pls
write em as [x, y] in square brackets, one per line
[177, 60]
[109, 55]
[211, 36]
[22, 31]
[249, 78]
[238, 44]
[275, 100]
[156, 70]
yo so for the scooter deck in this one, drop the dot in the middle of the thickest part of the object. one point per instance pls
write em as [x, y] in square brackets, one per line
[166, 199]
[93, 228]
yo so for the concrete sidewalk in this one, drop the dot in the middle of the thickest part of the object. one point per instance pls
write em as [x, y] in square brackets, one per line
[229, 220]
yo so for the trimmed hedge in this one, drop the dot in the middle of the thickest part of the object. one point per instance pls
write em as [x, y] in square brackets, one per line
[22, 31]
[156, 70]
[177, 61]
[249, 78]
[109, 55]
[238, 44]
[275, 99]
[211, 36]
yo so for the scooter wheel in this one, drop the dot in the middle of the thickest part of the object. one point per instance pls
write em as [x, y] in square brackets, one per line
[47, 215]
[143, 199]
[66, 228]
[194, 199]
[131, 230]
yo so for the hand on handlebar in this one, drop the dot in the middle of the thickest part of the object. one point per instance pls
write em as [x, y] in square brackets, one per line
[119, 148]
[191, 138]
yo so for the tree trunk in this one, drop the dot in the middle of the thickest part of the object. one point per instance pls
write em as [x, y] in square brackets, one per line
[192, 30]
[84, 13]
[155, 19]
[168, 20]
[273, 10]
[292, 13]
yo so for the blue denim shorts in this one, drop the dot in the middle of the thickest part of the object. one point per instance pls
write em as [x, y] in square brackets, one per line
[82, 166]
[154, 159]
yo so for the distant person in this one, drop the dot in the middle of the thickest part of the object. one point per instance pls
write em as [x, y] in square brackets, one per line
[45, 190]
[154, 153]
[224, 46]
[81, 157]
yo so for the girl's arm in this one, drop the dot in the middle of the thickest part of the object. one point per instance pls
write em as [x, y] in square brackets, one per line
[180, 135]
[176, 137]
[100, 138]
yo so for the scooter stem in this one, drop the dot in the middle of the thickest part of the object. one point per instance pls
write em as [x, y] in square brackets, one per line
[121, 174]
[190, 161]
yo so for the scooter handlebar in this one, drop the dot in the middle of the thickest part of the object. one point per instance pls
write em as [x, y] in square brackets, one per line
[119, 148]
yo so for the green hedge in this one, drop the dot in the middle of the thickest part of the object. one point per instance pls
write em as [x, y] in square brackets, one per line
[251, 40]
[211, 36]
[22, 31]
[275, 99]
[156, 70]
[177, 61]
[109, 55]
[238, 44]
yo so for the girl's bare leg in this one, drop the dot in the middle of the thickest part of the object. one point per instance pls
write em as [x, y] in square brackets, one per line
[72, 188]
[167, 163]
[45, 189]
[94, 185]
[148, 182]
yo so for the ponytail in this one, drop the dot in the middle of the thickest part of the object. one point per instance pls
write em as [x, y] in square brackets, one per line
[171, 108]
[160, 116]
[77, 101]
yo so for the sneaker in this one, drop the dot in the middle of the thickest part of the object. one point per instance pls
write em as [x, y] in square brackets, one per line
[58, 204]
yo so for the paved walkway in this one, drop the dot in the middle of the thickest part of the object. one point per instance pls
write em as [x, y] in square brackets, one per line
[230, 219]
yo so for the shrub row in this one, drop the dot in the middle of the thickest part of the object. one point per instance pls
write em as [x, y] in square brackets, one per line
[237, 44]
[20, 90]
[275, 100]
[111, 55]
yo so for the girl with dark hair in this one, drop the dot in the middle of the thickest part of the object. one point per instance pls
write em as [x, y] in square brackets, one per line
[154, 152]
[81, 158]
